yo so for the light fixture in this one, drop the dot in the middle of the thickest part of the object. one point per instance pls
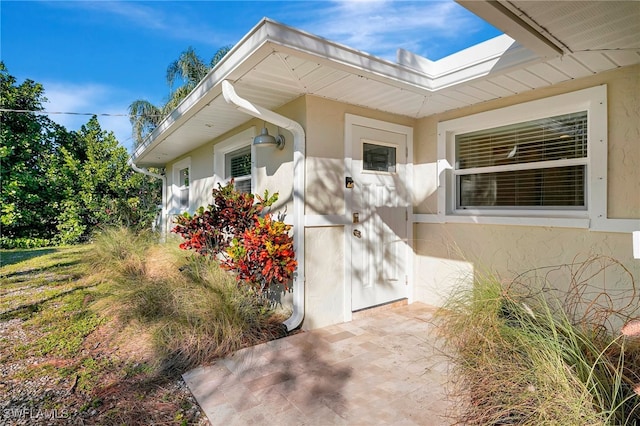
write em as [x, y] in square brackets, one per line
[264, 139]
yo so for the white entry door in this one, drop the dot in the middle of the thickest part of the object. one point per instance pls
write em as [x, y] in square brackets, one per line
[380, 211]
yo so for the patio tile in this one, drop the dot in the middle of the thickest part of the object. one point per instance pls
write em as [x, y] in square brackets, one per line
[382, 368]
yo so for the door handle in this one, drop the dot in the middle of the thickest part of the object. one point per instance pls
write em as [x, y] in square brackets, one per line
[357, 233]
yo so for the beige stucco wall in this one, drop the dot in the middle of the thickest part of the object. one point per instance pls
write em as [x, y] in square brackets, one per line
[623, 92]
[274, 167]
[325, 169]
[446, 253]
[324, 271]
[325, 186]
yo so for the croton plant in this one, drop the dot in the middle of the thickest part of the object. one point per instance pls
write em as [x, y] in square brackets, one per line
[238, 230]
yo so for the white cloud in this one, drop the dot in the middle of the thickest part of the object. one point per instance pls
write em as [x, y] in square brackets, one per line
[174, 25]
[85, 100]
[381, 27]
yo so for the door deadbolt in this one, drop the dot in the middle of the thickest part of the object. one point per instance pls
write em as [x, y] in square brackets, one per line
[356, 218]
[357, 233]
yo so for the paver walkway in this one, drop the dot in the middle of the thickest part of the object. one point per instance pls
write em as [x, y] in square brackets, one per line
[384, 368]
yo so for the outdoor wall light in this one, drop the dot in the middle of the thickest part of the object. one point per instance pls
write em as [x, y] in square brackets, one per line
[265, 139]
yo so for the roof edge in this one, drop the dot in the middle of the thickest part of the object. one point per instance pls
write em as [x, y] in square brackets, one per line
[499, 14]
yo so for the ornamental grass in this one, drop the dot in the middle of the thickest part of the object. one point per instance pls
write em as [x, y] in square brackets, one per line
[527, 353]
[193, 310]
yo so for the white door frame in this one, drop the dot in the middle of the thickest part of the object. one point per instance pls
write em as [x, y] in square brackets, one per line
[356, 120]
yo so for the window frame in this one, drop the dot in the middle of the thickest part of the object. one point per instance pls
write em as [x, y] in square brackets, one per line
[228, 146]
[228, 158]
[592, 100]
[177, 189]
[380, 144]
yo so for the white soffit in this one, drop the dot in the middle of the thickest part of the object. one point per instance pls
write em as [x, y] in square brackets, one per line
[550, 28]
[275, 64]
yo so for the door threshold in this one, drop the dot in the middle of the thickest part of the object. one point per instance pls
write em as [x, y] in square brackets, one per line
[366, 312]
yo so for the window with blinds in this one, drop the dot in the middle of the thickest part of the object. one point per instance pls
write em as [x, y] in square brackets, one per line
[238, 167]
[534, 164]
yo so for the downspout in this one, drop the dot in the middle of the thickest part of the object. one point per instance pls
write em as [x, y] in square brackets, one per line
[299, 141]
[163, 216]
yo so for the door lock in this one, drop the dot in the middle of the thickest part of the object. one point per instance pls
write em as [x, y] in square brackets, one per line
[357, 233]
[356, 217]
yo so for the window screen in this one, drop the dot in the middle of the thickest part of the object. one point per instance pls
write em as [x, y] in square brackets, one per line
[238, 167]
[539, 163]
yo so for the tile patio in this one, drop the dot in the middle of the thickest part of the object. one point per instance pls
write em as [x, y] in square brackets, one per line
[382, 368]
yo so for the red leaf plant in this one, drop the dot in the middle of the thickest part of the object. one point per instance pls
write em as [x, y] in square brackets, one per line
[259, 250]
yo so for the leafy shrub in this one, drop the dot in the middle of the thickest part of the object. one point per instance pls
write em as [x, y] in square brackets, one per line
[264, 255]
[210, 231]
[259, 250]
[70, 227]
[24, 243]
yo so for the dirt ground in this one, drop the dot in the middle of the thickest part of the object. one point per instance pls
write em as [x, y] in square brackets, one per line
[107, 380]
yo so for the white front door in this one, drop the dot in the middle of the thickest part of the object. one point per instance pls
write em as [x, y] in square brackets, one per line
[380, 211]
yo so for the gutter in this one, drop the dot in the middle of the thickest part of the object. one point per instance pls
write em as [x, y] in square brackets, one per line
[163, 216]
[299, 142]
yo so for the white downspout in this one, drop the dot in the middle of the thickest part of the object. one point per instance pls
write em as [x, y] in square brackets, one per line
[163, 215]
[299, 141]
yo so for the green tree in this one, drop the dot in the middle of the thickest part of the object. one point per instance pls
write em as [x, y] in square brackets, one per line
[29, 143]
[106, 190]
[183, 75]
[58, 185]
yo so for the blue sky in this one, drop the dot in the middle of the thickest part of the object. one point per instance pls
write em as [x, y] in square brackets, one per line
[99, 56]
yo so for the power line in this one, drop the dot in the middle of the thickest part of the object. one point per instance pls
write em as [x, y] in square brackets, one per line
[104, 114]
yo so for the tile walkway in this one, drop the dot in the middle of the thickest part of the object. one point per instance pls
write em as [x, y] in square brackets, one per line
[383, 368]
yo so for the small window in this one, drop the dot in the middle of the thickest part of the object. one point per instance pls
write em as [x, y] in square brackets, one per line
[238, 168]
[378, 158]
[183, 188]
[534, 164]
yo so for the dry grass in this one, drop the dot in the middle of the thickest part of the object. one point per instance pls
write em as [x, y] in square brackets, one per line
[523, 357]
[102, 332]
[194, 311]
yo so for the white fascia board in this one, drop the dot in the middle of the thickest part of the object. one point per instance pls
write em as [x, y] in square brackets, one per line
[498, 14]
[493, 56]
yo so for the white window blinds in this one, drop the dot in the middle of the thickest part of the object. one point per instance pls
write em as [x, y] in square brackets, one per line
[238, 167]
[539, 163]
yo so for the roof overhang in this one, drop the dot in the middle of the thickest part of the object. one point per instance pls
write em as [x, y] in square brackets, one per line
[502, 15]
[275, 64]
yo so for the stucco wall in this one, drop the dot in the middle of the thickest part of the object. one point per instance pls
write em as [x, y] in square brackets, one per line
[325, 170]
[623, 93]
[447, 253]
[325, 192]
[324, 270]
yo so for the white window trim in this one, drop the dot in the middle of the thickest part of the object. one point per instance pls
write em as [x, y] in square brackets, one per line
[175, 188]
[592, 100]
[235, 142]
